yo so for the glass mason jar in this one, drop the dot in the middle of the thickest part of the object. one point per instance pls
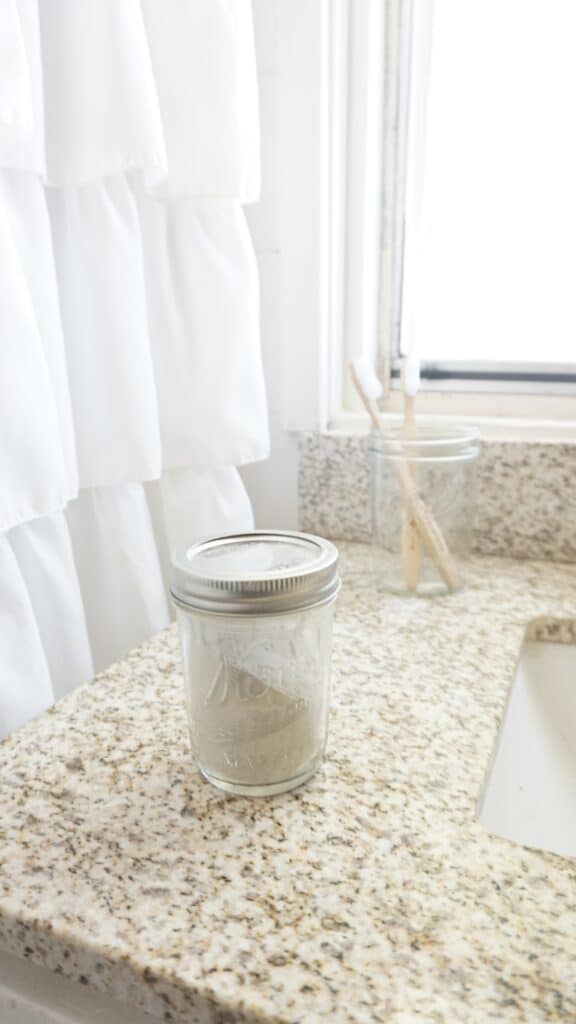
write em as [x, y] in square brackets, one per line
[255, 618]
[437, 465]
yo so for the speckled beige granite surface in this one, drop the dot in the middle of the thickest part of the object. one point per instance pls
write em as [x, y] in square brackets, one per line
[370, 895]
[526, 498]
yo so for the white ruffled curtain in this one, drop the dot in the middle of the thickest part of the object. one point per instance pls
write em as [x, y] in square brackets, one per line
[130, 376]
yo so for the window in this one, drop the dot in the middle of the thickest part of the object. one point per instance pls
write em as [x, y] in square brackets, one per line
[488, 248]
[426, 164]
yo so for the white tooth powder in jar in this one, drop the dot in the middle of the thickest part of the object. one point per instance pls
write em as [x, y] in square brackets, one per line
[255, 618]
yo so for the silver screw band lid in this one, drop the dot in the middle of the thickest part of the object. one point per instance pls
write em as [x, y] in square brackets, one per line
[262, 572]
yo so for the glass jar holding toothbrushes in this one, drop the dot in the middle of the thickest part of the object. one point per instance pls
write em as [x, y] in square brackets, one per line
[255, 620]
[423, 502]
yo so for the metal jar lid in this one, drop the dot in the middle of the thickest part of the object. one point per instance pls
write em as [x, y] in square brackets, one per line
[264, 572]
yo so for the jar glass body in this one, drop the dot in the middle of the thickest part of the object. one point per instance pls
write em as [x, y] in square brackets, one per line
[258, 694]
[442, 467]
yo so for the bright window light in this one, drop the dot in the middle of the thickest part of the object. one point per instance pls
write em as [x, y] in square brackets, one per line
[496, 243]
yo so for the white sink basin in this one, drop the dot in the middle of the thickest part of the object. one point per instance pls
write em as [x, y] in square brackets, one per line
[530, 790]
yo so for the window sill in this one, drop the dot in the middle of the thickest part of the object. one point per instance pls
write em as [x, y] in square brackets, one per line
[545, 429]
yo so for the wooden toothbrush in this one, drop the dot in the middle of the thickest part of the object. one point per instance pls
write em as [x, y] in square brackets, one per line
[411, 545]
[369, 390]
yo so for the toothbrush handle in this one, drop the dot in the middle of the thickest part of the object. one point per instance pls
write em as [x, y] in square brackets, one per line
[430, 533]
[411, 545]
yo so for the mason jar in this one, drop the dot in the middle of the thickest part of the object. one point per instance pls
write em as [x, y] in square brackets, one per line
[255, 620]
[423, 503]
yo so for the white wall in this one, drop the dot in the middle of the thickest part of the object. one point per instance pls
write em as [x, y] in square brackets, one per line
[272, 485]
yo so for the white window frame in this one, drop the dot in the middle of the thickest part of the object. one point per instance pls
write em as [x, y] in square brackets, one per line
[335, 143]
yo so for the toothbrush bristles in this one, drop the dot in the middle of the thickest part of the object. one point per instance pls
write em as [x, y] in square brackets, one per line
[411, 375]
[367, 378]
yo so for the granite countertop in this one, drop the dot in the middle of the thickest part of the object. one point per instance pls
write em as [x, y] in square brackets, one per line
[371, 894]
